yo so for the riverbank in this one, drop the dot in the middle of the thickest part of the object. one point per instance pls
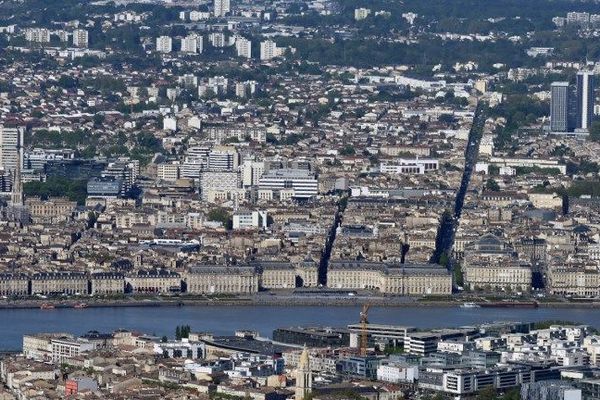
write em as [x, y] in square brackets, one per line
[290, 301]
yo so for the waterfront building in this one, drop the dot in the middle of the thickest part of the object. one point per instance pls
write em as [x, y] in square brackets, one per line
[216, 279]
[492, 264]
[50, 283]
[107, 283]
[276, 275]
[400, 279]
[579, 280]
[13, 284]
[153, 281]
[64, 349]
[312, 336]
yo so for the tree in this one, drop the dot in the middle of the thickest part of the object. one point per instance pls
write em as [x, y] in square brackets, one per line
[487, 393]
[182, 332]
[347, 150]
[458, 275]
[595, 131]
[492, 185]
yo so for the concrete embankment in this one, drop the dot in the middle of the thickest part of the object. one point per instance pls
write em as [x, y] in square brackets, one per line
[277, 301]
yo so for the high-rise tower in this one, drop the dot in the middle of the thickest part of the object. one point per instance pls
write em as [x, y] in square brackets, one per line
[585, 100]
[559, 107]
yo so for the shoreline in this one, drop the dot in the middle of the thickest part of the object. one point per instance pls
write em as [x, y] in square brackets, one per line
[266, 301]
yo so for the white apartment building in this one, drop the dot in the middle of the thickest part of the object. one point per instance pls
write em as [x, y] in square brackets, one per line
[168, 171]
[223, 158]
[251, 172]
[243, 47]
[269, 50]
[221, 7]
[243, 89]
[192, 44]
[250, 219]
[80, 38]
[64, 349]
[217, 39]
[397, 373]
[164, 44]
[296, 183]
[198, 15]
[408, 166]
[38, 35]
[11, 139]
[361, 13]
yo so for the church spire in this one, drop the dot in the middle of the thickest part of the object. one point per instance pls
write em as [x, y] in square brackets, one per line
[17, 184]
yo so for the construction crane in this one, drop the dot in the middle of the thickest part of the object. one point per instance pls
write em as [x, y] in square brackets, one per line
[364, 336]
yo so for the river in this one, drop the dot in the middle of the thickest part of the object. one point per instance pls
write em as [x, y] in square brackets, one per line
[224, 320]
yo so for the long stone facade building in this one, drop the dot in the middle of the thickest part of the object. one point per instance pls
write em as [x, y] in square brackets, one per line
[574, 280]
[492, 264]
[399, 279]
[209, 279]
[153, 281]
[59, 282]
[14, 284]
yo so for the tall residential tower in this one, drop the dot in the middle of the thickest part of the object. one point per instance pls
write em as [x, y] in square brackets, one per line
[585, 100]
[559, 107]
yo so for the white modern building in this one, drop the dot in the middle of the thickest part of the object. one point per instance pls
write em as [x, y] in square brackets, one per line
[80, 38]
[164, 44]
[38, 35]
[269, 50]
[192, 44]
[243, 47]
[222, 7]
[290, 183]
[250, 219]
[409, 166]
[11, 142]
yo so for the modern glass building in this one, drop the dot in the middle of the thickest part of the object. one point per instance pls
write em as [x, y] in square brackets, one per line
[559, 107]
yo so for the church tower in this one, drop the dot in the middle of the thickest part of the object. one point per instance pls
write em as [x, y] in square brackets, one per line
[303, 376]
[17, 185]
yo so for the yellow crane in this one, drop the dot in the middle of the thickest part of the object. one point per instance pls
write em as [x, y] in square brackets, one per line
[364, 335]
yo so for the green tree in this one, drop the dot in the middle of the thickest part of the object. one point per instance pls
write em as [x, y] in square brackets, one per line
[595, 131]
[492, 185]
[348, 150]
